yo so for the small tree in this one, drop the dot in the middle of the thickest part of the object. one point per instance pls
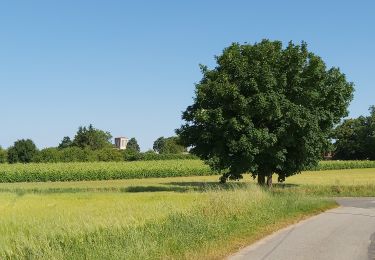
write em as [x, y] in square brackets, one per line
[172, 146]
[22, 151]
[133, 145]
[168, 145]
[159, 144]
[265, 109]
[92, 138]
[65, 143]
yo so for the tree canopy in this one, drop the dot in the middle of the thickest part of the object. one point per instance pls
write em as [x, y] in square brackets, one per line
[22, 151]
[169, 145]
[92, 138]
[355, 138]
[133, 145]
[265, 109]
[65, 142]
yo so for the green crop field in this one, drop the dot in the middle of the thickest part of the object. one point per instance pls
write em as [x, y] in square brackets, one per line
[160, 218]
[42, 172]
[101, 170]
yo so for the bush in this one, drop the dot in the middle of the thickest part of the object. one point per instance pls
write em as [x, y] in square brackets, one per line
[154, 156]
[76, 154]
[109, 155]
[3, 155]
[131, 155]
[50, 155]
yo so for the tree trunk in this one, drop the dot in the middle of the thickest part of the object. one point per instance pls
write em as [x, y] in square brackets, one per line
[261, 180]
[269, 181]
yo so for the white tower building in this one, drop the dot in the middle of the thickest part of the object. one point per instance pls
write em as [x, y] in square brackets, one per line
[121, 142]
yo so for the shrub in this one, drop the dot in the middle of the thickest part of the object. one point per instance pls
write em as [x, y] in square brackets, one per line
[131, 155]
[51, 155]
[76, 154]
[108, 155]
[3, 155]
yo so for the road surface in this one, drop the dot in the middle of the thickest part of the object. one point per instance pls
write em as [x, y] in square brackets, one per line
[347, 232]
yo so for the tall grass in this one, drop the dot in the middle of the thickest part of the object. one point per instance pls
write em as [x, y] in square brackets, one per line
[144, 226]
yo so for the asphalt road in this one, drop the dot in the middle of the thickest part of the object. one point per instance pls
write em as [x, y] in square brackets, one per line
[347, 232]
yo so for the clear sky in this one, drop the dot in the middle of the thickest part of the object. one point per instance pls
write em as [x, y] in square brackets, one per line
[129, 67]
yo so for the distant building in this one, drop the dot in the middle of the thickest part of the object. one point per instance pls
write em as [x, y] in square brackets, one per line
[121, 142]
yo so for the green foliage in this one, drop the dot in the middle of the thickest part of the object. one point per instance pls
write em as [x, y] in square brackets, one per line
[65, 143]
[170, 145]
[158, 144]
[355, 138]
[133, 145]
[131, 155]
[50, 155]
[147, 156]
[265, 109]
[3, 155]
[76, 154]
[22, 151]
[92, 138]
[108, 155]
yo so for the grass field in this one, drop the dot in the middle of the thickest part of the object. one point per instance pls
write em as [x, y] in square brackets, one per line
[159, 218]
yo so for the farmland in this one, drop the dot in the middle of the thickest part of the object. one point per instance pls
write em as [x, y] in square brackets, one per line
[49, 223]
[78, 171]
[187, 217]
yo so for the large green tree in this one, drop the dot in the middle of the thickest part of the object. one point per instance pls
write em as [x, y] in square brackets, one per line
[265, 109]
[22, 151]
[355, 138]
[92, 138]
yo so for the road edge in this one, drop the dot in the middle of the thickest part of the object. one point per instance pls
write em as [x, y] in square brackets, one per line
[245, 250]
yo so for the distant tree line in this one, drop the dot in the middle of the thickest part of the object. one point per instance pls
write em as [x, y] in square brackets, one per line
[355, 138]
[91, 144]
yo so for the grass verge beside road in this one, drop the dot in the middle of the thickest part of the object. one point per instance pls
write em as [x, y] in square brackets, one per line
[144, 225]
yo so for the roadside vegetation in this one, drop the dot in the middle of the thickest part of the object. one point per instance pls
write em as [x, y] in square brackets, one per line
[208, 223]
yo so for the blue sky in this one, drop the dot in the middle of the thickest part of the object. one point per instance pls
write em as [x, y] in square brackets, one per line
[129, 67]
